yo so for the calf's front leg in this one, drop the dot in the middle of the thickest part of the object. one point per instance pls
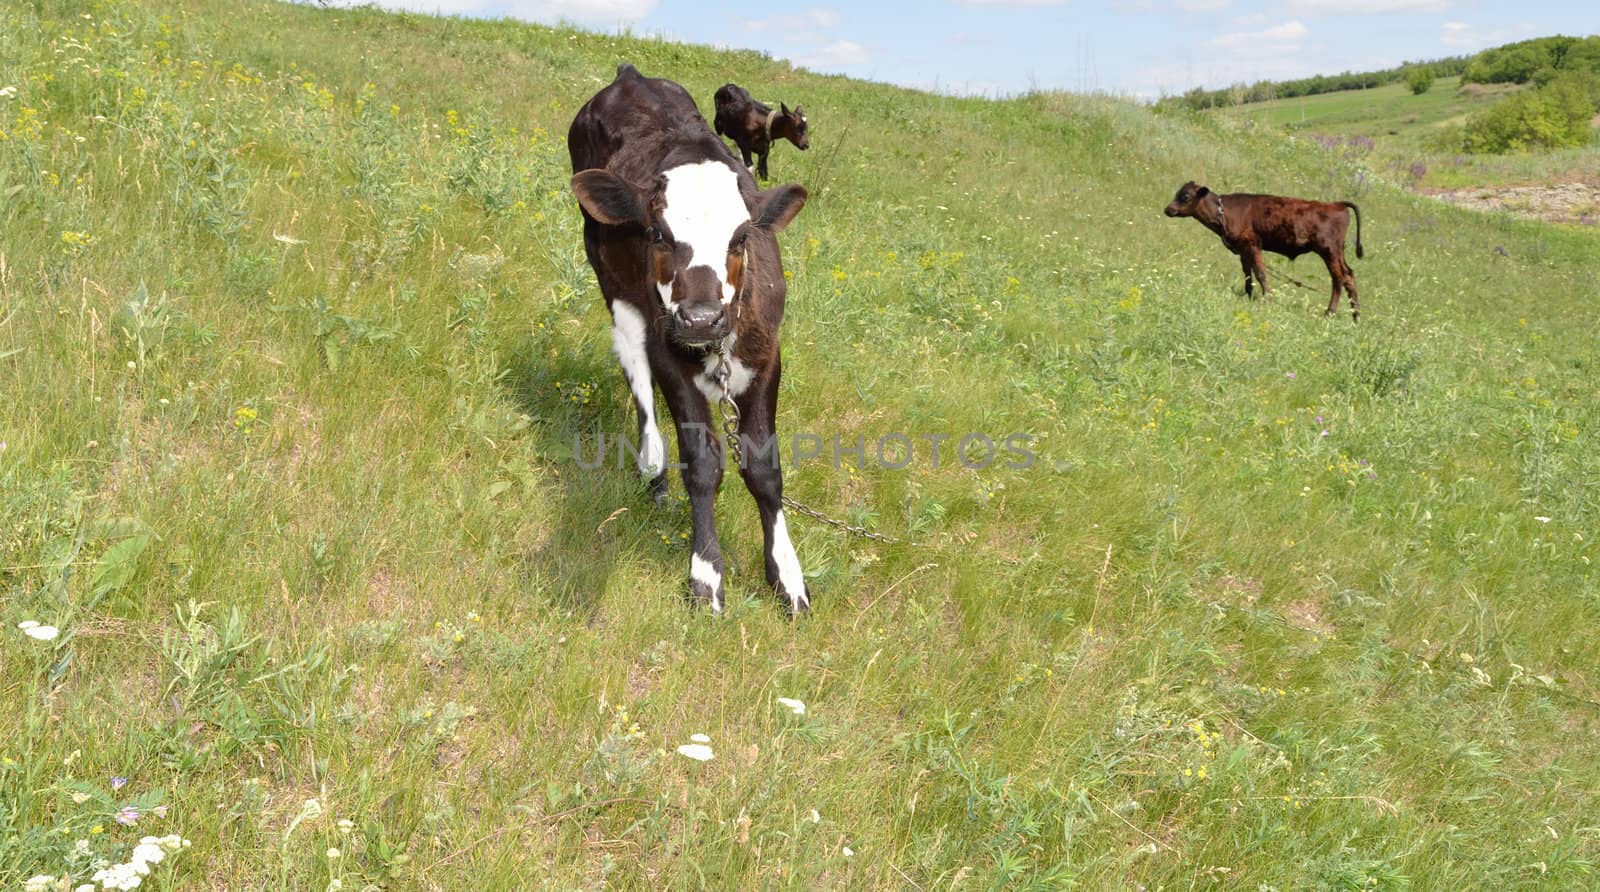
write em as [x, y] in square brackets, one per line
[701, 456]
[1253, 255]
[763, 476]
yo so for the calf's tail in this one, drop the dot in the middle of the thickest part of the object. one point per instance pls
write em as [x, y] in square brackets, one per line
[1351, 205]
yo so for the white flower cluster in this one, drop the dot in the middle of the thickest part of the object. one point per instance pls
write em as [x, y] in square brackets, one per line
[699, 750]
[32, 629]
[150, 850]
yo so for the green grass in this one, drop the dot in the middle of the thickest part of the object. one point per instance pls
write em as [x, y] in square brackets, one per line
[1397, 135]
[296, 333]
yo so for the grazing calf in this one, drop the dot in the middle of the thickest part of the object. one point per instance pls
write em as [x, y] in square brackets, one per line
[684, 247]
[753, 126]
[1250, 224]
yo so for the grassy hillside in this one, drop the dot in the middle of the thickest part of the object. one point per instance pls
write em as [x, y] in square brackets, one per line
[1396, 133]
[295, 338]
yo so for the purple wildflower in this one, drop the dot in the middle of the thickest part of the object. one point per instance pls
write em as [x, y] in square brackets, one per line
[128, 815]
[1324, 433]
[118, 782]
[1290, 376]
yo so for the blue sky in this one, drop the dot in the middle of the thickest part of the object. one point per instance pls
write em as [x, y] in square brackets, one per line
[1138, 47]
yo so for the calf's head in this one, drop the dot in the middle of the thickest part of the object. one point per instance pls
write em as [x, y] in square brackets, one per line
[697, 224]
[799, 130]
[1187, 200]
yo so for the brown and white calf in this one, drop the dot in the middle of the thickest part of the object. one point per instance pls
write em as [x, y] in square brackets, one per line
[754, 127]
[684, 247]
[1249, 224]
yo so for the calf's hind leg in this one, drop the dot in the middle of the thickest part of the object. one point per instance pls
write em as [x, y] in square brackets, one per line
[1340, 274]
[1348, 277]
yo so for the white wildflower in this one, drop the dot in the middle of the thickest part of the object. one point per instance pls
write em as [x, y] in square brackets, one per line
[699, 738]
[8, 91]
[1541, 519]
[39, 883]
[848, 852]
[696, 751]
[33, 629]
[334, 853]
[795, 706]
[346, 825]
[148, 852]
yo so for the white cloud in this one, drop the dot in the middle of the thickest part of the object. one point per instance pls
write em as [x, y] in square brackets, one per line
[1460, 35]
[815, 17]
[838, 54]
[590, 12]
[1365, 7]
[1279, 39]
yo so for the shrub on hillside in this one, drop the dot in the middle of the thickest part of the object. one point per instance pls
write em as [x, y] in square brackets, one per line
[1550, 117]
[1419, 79]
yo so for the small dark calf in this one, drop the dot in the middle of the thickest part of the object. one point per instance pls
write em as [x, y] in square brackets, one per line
[685, 249]
[1249, 224]
[754, 127]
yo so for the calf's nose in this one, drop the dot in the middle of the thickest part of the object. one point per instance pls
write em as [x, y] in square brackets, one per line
[700, 317]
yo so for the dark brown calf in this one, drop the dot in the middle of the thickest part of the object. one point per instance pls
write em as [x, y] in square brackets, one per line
[685, 250]
[754, 127]
[1249, 224]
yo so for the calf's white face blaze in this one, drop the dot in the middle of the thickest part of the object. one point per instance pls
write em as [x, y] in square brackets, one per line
[703, 210]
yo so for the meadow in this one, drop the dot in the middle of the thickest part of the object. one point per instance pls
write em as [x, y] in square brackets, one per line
[298, 349]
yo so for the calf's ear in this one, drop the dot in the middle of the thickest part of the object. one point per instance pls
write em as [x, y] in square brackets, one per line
[777, 206]
[1202, 193]
[607, 198]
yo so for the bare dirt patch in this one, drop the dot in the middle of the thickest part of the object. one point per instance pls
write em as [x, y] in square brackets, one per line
[1307, 615]
[1552, 202]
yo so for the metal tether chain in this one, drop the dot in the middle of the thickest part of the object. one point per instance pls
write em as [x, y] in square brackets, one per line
[730, 432]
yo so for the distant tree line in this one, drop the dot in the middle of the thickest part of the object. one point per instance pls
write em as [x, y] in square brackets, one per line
[1539, 60]
[1262, 91]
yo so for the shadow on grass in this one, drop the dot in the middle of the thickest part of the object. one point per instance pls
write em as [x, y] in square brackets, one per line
[606, 515]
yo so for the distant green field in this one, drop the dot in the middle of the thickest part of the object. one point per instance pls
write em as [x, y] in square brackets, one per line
[1388, 111]
[298, 343]
[1393, 131]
